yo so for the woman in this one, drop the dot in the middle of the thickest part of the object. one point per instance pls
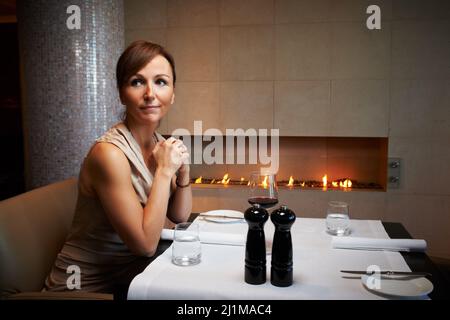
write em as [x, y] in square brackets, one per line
[132, 183]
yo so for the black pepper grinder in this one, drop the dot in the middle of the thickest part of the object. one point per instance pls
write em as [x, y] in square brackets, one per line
[281, 269]
[255, 247]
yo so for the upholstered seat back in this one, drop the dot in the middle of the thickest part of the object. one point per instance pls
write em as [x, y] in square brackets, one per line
[33, 228]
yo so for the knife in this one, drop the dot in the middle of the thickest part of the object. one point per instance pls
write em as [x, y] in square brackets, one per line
[390, 273]
[219, 216]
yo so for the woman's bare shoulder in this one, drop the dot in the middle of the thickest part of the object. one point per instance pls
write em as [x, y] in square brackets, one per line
[104, 160]
[105, 151]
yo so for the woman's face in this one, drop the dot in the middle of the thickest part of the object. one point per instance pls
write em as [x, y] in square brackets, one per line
[149, 93]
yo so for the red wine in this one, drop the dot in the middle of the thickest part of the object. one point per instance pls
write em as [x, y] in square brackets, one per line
[265, 202]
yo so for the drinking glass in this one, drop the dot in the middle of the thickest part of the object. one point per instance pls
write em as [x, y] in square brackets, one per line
[338, 219]
[186, 247]
[263, 189]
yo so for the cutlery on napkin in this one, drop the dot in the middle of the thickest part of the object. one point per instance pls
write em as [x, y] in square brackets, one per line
[357, 243]
[390, 273]
[219, 216]
[229, 239]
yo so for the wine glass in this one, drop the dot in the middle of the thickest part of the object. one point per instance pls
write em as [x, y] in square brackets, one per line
[263, 189]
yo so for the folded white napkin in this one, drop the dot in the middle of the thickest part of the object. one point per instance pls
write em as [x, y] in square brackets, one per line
[379, 244]
[211, 237]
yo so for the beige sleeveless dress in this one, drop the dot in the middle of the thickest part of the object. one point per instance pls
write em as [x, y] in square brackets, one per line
[92, 244]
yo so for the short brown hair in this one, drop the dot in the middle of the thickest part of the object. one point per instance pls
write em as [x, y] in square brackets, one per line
[137, 56]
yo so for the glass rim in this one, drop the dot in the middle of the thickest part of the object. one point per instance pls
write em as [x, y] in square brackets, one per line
[338, 203]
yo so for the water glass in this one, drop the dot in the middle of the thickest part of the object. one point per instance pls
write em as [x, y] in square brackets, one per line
[186, 247]
[338, 219]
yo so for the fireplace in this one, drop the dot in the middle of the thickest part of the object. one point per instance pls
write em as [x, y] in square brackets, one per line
[308, 163]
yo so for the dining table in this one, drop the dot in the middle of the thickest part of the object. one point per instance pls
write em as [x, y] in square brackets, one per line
[317, 266]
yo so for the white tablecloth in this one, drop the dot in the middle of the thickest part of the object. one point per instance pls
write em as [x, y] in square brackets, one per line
[220, 275]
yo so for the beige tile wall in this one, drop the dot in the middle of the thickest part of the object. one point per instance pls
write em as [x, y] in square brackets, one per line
[322, 73]
[246, 52]
[145, 15]
[359, 53]
[418, 9]
[246, 104]
[250, 12]
[301, 11]
[194, 101]
[302, 107]
[420, 108]
[350, 10]
[303, 51]
[420, 49]
[189, 46]
[359, 108]
[192, 13]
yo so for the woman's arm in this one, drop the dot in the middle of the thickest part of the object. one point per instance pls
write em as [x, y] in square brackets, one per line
[110, 173]
[180, 204]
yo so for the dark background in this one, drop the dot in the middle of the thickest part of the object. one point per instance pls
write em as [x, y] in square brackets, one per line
[11, 136]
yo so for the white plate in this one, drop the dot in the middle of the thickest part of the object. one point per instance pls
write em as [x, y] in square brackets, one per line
[229, 213]
[398, 286]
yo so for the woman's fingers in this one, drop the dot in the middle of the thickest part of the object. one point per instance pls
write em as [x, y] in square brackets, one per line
[172, 153]
[156, 148]
[178, 143]
[185, 158]
[170, 141]
[174, 142]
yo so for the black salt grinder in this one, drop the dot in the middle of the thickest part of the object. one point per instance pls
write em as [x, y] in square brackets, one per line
[281, 269]
[255, 247]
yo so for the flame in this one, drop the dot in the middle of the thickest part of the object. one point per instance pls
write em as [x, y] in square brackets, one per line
[347, 183]
[225, 179]
[291, 182]
[198, 180]
[264, 183]
[325, 181]
[341, 183]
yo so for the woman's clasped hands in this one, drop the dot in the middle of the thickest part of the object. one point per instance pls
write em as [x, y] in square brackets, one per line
[170, 155]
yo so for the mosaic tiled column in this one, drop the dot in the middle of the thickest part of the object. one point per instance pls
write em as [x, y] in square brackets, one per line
[68, 82]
